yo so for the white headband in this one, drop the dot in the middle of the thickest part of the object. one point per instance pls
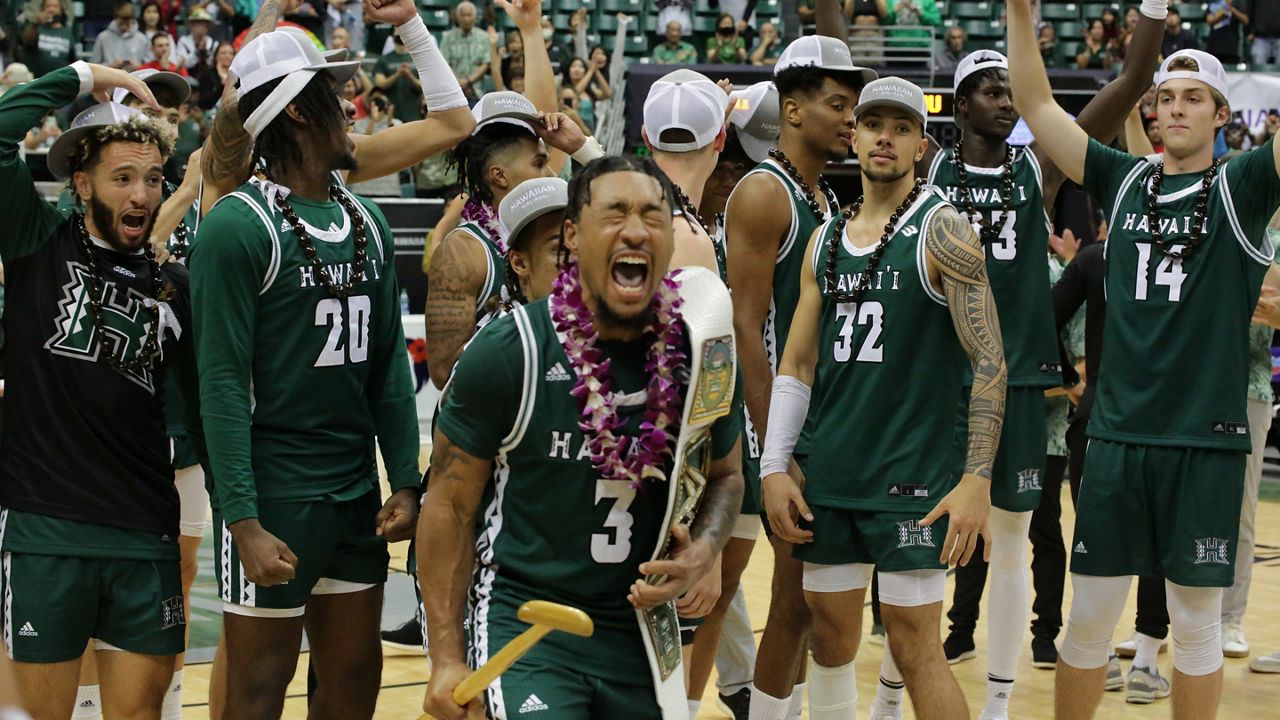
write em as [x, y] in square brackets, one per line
[277, 101]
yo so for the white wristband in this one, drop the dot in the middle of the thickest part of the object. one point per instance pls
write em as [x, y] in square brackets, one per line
[590, 150]
[440, 87]
[788, 407]
[1155, 9]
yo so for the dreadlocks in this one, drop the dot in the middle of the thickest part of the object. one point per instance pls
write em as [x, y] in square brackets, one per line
[278, 144]
[473, 156]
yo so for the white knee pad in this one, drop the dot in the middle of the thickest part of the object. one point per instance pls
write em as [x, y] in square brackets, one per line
[912, 588]
[1096, 605]
[837, 578]
[1195, 621]
[193, 501]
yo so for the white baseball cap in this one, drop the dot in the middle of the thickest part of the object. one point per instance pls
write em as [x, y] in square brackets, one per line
[173, 82]
[281, 54]
[977, 61]
[894, 92]
[1210, 72]
[756, 116]
[530, 200]
[337, 55]
[98, 116]
[822, 52]
[505, 107]
[684, 100]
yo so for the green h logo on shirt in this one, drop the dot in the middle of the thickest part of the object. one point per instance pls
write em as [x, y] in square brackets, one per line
[122, 318]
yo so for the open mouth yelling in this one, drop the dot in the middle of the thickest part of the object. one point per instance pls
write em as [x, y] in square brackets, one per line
[134, 223]
[630, 274]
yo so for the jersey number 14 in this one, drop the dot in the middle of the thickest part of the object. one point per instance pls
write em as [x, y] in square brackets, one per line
[1169, 273]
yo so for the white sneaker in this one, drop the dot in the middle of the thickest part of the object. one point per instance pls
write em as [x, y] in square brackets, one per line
[882, 711]
[1144, 686]
[1266, 663]
[1233, 643]
[1129, 648]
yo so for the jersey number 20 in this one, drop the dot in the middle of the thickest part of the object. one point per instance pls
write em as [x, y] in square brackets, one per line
[870, 313]
[330, 314]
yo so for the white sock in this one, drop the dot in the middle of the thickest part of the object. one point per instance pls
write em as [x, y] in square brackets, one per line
[889, 689]
[88, 703]
[797, 701]
[767, 707]
[1147, 648]
[998, 692]
[833, 692]
[1009, 593]
[172, 707]
[694, 707]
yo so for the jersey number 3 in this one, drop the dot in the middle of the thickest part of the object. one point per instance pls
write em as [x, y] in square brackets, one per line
[330, 314]
[614, 544]
[870, 313]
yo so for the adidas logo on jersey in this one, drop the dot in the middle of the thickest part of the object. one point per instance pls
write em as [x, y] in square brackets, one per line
[532, 704]
[285, 226]
[1080, 548]
[124, 271]
[27, 631]
[557, 374]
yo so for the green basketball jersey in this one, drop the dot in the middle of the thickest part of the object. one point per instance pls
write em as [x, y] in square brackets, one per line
[1176, 343]
[495, 270]
[890, 371]
[554, 530]
[1017, 261]
[296, 383]
[786, 283]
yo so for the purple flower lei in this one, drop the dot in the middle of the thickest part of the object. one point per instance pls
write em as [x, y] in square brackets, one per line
[611, 454]
[484, 216]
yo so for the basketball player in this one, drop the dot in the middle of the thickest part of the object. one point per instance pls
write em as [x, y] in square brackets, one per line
[90, 519]
[297, 315]
[511, 417]
[769, 216]
[1163, 475]
[1006, 193]
[532, 216]
[894, 283]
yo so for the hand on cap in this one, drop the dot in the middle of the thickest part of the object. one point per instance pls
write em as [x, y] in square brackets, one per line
[106, 79]
[560, 132]
[526, 14]
[396, 12]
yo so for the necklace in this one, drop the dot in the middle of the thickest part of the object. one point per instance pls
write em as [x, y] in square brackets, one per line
[615, 457]
[1198, 219]
[180, 242]
[484, 216]
[690, 212]
[308, 245]
[149, 353]
[873, 262]
[809, 197]
[988, 230]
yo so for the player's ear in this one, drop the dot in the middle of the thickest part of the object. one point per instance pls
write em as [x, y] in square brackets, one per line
[519, 263]
[570, 234]
[644, 135]
[497, 176]
[790, 111]
[721, 139]
[1224, 117]
[924, 144]
[82, 185]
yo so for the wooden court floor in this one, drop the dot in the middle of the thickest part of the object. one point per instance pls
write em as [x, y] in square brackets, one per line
[1246, 696]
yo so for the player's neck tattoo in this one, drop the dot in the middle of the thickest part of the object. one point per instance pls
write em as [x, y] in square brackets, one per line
[833, 245]
[149, 353]
[615, 457]
[809, 196]
[988, 230]
[308, 244]
[1198, 219]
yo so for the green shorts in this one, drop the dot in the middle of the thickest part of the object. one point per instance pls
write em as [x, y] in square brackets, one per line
[537, 689]
[1159, 511]
[1016, 477]
[751, 504]
[53, 606]
[182, 452]
[892, 541]
[336, 544]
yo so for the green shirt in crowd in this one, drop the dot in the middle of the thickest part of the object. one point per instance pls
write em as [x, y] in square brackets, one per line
[404, 94]
[682, 54]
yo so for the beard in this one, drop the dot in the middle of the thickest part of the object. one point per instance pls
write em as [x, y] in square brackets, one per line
[605, 315]
[104, 220]
[885, 176]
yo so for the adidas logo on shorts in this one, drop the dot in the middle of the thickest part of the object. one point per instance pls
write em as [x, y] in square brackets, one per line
[532, 704]
[27, 631]
[1080, 548]
[557, 374]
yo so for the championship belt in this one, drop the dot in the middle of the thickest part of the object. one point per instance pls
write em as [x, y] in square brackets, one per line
[707, 313]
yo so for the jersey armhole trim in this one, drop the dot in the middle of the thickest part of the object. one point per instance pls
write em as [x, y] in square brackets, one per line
[374, 227]
[1263, 256]
[1034, 161]
[922, 263]
[273, 268]
[936, 165]
[490, 269]
[529, 394]
[1133, 174]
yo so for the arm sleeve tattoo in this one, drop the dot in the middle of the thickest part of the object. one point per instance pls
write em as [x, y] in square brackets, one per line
[958, 253]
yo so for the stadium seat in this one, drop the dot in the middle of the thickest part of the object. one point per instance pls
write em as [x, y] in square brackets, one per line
[1071, 30]
[630, 7]
[1193, 12]
[560, 20]
[773, 7]
[972, 10]
[704, 25]
[568, 6]
[435, 4]
[1057, 12]
[435, 19]
[983, 28]
[704, 7]
[606, 24]
[1070, 49]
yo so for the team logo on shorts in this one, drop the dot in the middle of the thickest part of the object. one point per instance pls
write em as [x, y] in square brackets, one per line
[1211, 551]
[172, 613]
[1028, 480]
[911, 533]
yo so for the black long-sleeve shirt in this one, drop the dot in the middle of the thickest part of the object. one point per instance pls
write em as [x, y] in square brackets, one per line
[1083, 281]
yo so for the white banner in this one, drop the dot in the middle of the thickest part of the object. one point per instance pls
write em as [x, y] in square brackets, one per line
[415, 333]
[1253, 96]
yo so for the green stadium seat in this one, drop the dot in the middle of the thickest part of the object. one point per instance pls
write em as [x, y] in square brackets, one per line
[771, 8]
[568, 6]
[704, 24]
[560, 20]
[606, 24]
[1057, 12]
[704, 7]
[505, 23]
[435, 4]
[1071, 30]
[636, 45]
[613, 7]
[972, 10]
[434, 19]
[1193, 12]
[983, 28]
[1070, 49]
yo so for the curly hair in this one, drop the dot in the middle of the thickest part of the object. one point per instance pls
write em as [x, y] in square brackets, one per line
[137, 129]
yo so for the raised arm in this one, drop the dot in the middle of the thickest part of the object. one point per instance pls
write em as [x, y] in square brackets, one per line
[458, 270]
[1064, 141]
[1136, 141]
[176, 206]
[495, 61]
[957, 262]
[540, 84]
[831, 19]
[449, 120]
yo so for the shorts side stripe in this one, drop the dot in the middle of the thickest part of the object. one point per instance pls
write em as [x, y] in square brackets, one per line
[224, 557]
[8, 606]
